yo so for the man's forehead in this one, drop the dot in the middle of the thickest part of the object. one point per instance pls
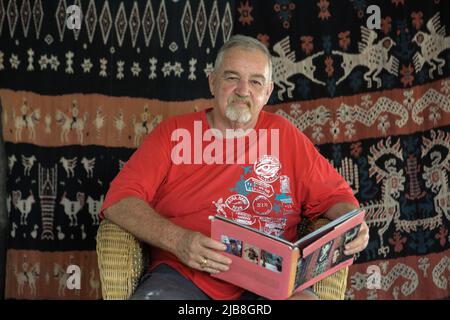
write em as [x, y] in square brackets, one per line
[234, 57]
[234, 72]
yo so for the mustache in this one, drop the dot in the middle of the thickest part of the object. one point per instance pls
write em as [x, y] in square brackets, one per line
[235, 99]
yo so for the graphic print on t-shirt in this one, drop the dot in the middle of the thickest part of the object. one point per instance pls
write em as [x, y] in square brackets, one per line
[261, 198]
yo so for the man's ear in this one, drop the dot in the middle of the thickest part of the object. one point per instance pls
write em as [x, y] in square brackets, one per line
[212, 82]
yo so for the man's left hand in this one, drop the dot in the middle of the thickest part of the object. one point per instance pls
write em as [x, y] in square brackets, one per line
[360, 243]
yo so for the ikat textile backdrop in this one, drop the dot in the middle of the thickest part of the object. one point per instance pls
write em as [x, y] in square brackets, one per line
[77, 103]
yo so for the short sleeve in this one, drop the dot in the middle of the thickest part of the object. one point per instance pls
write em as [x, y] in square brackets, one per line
[145, 171]
[322, 186]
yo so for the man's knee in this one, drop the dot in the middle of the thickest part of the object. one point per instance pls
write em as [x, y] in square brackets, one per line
[158, 290]
[165, 283]
[161, 294]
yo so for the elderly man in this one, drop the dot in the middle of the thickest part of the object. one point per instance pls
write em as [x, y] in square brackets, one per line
[172, 183]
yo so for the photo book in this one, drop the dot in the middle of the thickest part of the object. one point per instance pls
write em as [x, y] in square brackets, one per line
[275, 268]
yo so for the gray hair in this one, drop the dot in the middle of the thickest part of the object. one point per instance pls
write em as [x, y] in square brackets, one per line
[246, 43]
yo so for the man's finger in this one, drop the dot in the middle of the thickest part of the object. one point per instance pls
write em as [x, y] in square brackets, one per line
[357, 245]
[362, 238]
[204, 268]
[211, 266]
[217, 258]
[213, 244]
[363, 234]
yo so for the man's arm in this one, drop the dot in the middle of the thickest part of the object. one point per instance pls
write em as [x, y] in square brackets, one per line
[191, 248]
[339, 209]
[361, 241]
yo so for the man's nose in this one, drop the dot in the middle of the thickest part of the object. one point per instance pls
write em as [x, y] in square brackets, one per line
[242, 88]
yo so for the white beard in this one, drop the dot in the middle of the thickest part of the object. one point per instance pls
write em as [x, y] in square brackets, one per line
[236, 114]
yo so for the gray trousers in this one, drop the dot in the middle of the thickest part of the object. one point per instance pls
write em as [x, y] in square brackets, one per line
[166, 283]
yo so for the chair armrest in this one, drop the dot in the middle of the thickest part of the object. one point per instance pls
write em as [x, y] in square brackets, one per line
[121, 261]
[332, 287]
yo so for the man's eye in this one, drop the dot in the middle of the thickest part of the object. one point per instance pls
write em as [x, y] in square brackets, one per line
[256, 83]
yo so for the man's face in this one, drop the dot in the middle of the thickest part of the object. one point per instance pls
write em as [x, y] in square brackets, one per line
[241, 86]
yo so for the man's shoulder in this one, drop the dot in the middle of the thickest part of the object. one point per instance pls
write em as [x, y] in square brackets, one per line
[275, 120]
[286, 128]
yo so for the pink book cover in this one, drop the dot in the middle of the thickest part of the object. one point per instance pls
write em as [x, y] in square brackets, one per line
[275, 268]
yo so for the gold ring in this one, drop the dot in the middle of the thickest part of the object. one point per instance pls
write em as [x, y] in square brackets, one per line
[204, 263]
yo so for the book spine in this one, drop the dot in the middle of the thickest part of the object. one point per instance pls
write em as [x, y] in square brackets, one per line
[295, 255]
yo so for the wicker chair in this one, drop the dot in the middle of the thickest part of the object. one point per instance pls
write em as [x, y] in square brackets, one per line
[122, 259]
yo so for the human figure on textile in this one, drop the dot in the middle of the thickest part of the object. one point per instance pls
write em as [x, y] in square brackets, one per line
[74, 113]
[171, 185]
[144, 118]
[24, 111]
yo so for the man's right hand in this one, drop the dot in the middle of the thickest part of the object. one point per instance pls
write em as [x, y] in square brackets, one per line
[200, 252]
[191, 248]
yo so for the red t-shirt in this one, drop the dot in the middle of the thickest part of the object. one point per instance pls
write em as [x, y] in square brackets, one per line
[265, 191]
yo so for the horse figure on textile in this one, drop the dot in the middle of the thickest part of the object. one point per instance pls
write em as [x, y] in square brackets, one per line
[27, 276]
[61, 275]
[67, 124]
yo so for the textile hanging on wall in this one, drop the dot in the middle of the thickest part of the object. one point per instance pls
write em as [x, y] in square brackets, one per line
[376, 103]
[78, 102]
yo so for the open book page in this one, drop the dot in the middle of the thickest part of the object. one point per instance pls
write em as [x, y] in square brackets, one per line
[316, 234]
[329, 255]
[274, 268]
[261, 264]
